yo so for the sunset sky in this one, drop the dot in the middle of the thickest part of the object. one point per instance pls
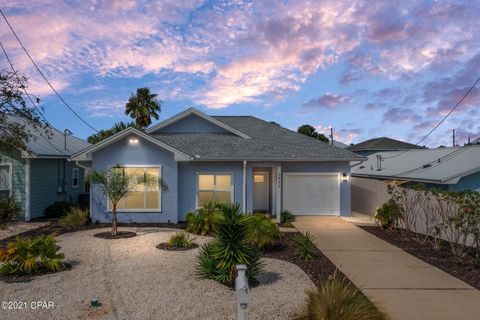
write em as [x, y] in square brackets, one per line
[367, 68]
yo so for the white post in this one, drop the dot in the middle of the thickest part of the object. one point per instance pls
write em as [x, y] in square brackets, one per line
[279, 194]
[244, 198]
[243, 292]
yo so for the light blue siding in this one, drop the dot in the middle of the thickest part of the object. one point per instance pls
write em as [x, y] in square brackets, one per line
[46, 176]
[187, 182]
[470, 182]
[143, 153]
[192, 124]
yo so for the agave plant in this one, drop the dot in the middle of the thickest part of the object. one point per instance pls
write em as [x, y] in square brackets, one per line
[261, 230]
[201, 221]
[218, 259]
[27, 256]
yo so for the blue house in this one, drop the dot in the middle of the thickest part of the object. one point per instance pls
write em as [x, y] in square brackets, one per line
[42, 174]
[243, 159]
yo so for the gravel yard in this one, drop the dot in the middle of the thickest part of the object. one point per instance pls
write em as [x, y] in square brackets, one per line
[15, 227]
[134, 280]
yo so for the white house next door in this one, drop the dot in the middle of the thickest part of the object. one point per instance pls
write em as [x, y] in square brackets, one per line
[260, 191]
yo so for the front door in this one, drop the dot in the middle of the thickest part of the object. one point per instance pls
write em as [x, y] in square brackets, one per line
[260, 191]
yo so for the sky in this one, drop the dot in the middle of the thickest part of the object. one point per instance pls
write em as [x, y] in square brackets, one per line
[366, 68]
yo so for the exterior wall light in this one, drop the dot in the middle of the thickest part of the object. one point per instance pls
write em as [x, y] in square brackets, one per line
[344, 177]
[133, 141]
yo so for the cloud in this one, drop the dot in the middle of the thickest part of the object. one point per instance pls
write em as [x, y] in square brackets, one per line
[345, 135]
[327, 100]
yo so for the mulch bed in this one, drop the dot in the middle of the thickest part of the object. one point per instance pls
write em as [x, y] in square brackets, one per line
[20, 278]
[119, 235]
[463, 268]
[165, 246]
[318, 269]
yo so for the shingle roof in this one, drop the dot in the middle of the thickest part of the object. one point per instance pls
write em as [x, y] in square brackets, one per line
[268, 141]
[410, 165]
[382, 144]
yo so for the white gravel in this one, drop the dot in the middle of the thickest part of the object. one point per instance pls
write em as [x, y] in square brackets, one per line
[134, 280]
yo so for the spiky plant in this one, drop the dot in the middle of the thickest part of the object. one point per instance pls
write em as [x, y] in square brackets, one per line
[261, 230]
[9, 210]
[200, 222]
[287, 217]
[305, 248]
[181, 240]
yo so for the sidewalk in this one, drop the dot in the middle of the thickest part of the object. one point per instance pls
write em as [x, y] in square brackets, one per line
[402, 285]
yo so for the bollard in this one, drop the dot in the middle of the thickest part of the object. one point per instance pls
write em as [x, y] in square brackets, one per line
[243, 292]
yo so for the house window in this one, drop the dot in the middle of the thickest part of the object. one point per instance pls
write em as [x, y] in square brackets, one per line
[5, 181]
[143, 197]
[75, 177]
[214, 187]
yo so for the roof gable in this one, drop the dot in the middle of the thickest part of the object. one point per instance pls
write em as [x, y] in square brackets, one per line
[202, 123]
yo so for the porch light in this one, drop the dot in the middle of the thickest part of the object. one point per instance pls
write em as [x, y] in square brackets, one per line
[133, 141]
[344, 177]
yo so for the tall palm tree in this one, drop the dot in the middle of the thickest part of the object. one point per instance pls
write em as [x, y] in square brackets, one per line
[142, 106]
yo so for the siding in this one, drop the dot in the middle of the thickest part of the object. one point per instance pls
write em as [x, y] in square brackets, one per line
[13, 157]
[143, 153]
[46, 175]
[192, 124]
[470, 182]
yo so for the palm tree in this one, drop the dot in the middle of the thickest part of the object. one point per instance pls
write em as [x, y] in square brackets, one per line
[142, 106]
[104, 134]
[117, 183]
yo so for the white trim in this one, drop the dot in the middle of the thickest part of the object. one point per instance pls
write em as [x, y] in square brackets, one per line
[160, 191]
[337, 174]
[27, 190]
[267, 183]
[10, 176]
[232, 184]
[244, 195]
[77, 170]
[85, 154]
[279, 194]
[202, 115]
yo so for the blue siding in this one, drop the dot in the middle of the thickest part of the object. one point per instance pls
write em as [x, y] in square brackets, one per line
[143, 153]
[46, 176]
[470, 182]
[13, 157]
[192, 124]
[187, 182]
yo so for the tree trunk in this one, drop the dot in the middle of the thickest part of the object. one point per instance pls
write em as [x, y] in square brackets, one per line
[114, 220]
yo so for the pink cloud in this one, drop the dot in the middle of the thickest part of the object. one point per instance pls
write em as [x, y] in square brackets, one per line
[328, 100]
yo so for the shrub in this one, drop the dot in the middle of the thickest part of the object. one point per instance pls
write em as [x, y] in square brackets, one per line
[305, 248]
[75, 218]
[287, 217]
[27, 256]
[217, 259]
[9, 209]
[58, 209]
[339, 299]
[200, 222]
[389, 215]
[261, 230]
[181, 240]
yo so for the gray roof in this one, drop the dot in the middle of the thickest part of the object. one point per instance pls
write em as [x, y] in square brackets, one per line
[268, 142]
[454, 164]
[382, 144]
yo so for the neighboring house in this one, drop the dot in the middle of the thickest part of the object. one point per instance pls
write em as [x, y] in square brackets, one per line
[339, 144]
[243, 159]
[42, 175]
[455, 169]
[371, 146]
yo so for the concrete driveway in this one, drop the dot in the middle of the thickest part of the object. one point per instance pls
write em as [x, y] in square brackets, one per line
[402, 285]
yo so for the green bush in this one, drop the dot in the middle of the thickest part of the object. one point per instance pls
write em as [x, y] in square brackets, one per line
[27, 256]
[75, 218]
[304, 246]
[58, 209]
[218, 258]
[9, 209]
[287, 217]
[181, 240]
[200, 222]
[389, 215]
[261, 230]
[339, 299]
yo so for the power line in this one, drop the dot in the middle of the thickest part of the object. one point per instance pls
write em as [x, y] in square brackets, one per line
[441, 121]
[43, 76]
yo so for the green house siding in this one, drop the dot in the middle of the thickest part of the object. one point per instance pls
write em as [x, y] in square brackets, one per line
[51, 181]
[14, 158]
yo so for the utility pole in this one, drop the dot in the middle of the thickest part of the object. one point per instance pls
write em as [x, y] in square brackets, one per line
[331, 135]
[453, 138]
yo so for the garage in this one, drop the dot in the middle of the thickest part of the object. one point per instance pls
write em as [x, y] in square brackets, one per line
[311, 193]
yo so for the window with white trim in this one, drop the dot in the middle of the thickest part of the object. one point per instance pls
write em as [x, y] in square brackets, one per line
[143, 197]
[75, 177]
[214, 187]
[5, 181]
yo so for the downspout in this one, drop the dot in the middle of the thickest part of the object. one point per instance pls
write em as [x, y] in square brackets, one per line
[244, 199]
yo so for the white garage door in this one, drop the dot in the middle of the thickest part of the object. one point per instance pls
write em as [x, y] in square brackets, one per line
[311, 193]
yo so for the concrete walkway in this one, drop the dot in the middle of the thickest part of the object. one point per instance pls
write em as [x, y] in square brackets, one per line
[403, 286]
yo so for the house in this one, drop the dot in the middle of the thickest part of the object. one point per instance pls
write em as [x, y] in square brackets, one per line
[382, 144]
[454, 169]
[243, 159]
[42, 174]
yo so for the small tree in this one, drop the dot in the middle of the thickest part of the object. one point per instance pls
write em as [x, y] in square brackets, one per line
[117, 183]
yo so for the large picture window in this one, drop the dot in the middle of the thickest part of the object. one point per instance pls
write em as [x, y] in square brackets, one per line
[214, 187]
[143, 197]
